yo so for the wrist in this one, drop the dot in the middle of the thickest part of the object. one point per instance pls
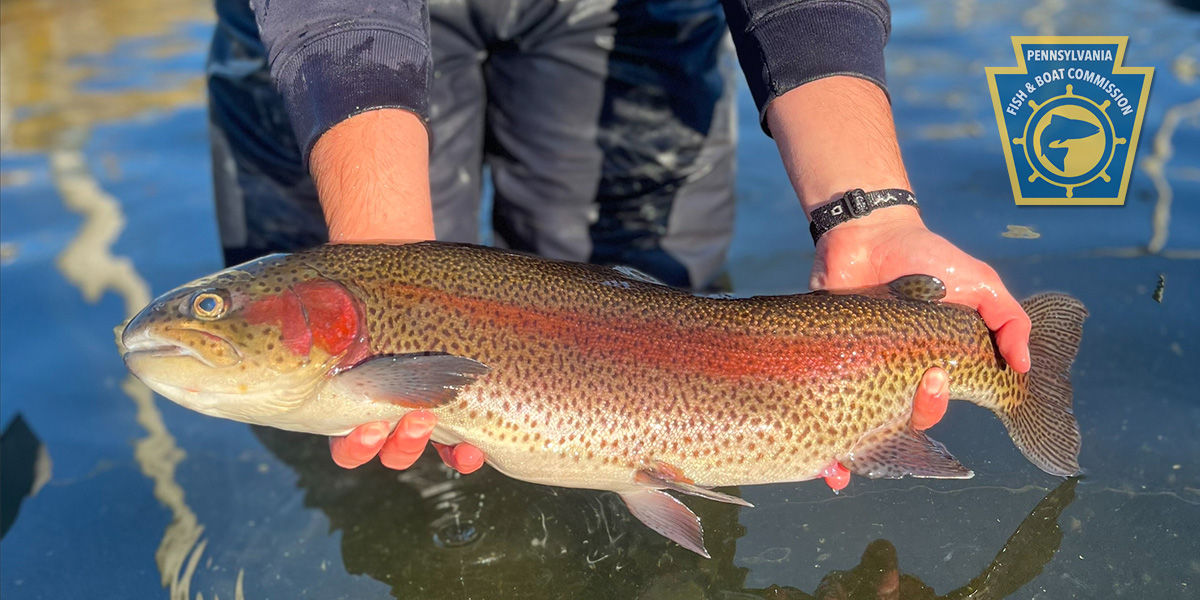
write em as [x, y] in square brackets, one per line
[871, 228]
[833, 186]
[856, 205]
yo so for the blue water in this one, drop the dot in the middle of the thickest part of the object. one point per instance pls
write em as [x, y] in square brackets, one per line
[271, 508]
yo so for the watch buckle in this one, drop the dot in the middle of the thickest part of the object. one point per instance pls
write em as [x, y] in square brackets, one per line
[856, 203]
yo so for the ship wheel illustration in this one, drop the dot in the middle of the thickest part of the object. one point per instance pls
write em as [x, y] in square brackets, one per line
[1069, 141]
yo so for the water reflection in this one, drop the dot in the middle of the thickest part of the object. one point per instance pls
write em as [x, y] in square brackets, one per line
[53, 81]
[428, 532]
[1022, 558]
[24, 468]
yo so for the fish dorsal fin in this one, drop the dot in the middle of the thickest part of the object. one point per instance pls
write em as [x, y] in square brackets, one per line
[636, 275]
[901, 450]
[662, 475]
[918, 287]
[411, 380]
[925, 288]
[663, 513]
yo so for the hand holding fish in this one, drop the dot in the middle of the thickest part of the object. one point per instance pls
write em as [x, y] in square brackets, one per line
[894, 242]
[401, 447]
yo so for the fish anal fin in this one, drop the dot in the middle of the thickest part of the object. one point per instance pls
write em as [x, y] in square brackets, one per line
[661, 475]
[924, 288]
[410, 380]
[897, 451]
[666, 515]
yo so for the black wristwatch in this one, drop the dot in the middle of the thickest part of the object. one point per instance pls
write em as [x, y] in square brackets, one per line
[854, 204]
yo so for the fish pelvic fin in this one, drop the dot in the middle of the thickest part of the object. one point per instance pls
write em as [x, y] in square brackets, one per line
[663, 513]
[662, 475]
[899, 450]
[410, 380]
[1042, 422]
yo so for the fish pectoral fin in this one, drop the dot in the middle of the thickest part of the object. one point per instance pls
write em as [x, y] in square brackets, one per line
[898, 451]
[663, 513]
[410, 380]
[662, 475]
[925, 288]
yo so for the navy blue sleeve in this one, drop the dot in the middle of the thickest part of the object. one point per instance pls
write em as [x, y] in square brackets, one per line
[333, 59]
[783, 44]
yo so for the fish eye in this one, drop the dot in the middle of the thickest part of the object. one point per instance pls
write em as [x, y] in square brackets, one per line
[208, 305]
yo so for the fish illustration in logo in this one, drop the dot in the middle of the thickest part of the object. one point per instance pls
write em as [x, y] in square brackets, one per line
[1062, 137]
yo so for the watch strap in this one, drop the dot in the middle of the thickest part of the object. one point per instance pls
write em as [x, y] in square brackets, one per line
[854, 204]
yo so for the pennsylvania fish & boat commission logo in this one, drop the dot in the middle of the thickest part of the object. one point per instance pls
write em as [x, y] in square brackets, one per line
[1069, 116]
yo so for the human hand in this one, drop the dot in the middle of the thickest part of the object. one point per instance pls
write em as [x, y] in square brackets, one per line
[400, 448]
[929, 406]
[836, 134]
[893, 242]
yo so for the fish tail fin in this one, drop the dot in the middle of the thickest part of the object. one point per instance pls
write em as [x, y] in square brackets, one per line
[1041, 421]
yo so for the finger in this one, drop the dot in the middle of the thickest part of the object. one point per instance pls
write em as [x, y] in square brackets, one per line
[816, 279]
[1004, 315]
[407, 442]
[360, 445]
[467, 458]
[837, 476]
[464, 458]
[933, 394]
[446, 451]
[1013, 340]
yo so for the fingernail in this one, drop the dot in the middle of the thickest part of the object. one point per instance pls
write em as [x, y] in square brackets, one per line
[372, 436]
[419, 423]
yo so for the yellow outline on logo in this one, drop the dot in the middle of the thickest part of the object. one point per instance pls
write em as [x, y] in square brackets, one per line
[1023, 69]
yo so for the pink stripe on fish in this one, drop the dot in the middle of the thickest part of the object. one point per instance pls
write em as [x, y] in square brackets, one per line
[671, 347]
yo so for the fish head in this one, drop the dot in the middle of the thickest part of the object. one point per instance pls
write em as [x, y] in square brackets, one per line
[249, 342]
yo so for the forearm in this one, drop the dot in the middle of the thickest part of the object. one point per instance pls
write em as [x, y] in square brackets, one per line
[372, 176]
[836, 134]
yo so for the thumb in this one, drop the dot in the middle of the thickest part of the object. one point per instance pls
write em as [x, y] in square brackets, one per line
[817, 279]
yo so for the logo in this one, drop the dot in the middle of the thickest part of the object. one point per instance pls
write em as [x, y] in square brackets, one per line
[1069, 116]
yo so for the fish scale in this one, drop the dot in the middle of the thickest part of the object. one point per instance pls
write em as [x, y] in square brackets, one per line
[586, 376]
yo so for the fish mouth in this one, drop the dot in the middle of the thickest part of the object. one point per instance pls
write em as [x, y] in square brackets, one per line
[144, 344]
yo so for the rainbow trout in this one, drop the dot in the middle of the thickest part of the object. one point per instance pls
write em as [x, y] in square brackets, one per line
[592, 377]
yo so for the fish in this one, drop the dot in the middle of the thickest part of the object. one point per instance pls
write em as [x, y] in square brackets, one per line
[1059, 135]
[588, 376]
